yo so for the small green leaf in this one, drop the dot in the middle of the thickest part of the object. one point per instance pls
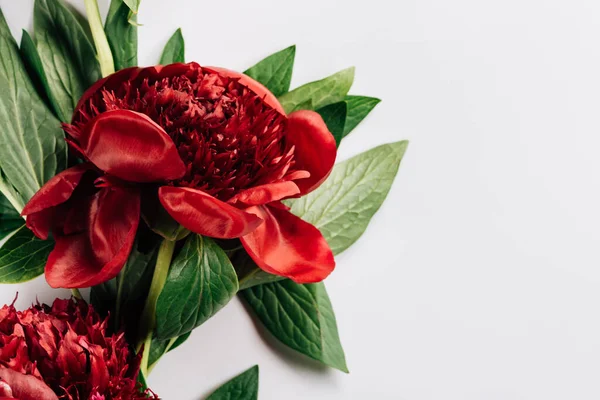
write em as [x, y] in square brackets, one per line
[334, 116]
[122, 36]
[32, 146]
[174, 51]
[10, 220]
[301, 316]
[242, 387]
[23, 257]
[358, 108]
[275, 71]
[343, 206]
[133, 5]
[67, 55]
[327, 91]
[201, 281]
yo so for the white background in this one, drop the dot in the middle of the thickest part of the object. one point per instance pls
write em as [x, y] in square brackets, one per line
[478, 279]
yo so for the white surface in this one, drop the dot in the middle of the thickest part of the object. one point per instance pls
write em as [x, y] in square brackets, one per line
[478, 279]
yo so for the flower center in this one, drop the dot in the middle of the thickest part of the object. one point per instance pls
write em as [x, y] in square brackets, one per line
[227, 136]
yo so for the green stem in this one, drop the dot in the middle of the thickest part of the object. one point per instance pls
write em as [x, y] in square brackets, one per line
[148, 321]
[105, 58]
[76, 293]
[169, 345]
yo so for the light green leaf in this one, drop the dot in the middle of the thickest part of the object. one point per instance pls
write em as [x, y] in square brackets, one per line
[301, 316]
[322, 93]
[242, 387]
[275, 71]
[23, 257]
[174, 51]
[32, 146]
[10, 220]
[68, 56]
[122, 36]
[358, 108]
[343, 206]
[334, 116]
[201, 281]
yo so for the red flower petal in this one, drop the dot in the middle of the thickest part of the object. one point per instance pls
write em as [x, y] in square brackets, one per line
[97, 255]
[253, 85]
[130, 146]
[265, 194]
[205, 215]
[26, 387]
[55, 192]
[315, 147]
[286, 245]
[110, 82]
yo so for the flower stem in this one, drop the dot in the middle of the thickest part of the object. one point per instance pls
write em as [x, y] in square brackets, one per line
[148, 320]
[105, 58]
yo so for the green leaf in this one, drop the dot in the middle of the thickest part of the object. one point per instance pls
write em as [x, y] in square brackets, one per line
[32, 146]
[275, 71]
[174, 51]
[242, 387]
[133, 5]
[34, 67]
[344, 204]
[332, 89]
[10, 220]
[334, 116]
[68, 56]
[301, 316]
[122, 36]
[358, 108]
[23, 257]
[123, 297]
[201, 281]
[160, 347]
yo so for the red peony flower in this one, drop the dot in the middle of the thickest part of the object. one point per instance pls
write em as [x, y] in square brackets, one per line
[221, 152]
[63, 351]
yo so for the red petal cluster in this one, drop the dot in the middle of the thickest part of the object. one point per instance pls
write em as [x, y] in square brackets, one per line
[64, 352]
[220, 150]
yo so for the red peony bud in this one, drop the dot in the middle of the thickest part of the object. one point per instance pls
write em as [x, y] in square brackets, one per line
[63, 351]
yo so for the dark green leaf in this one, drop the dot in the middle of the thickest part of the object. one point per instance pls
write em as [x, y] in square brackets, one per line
[32, 146]
[23, 257]
[124, 296]
[334, 116]
[201, 281]
[122, 36]
[242, 387]
[33, 63]
[67, 54]
[10, 220]
[160, 347]
[358, 108]
[275, 71]
[174, 51]
[332, 89]
[301, 317]
[343, 206]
